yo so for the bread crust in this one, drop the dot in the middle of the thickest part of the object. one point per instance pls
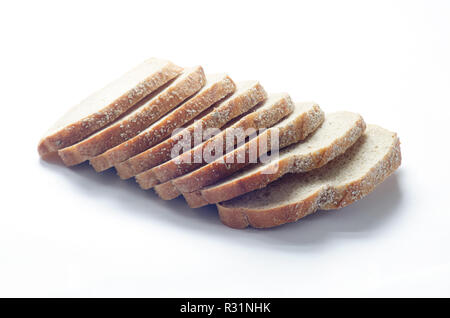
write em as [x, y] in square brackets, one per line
[147, 180]
[167, 191]
[300, 128]
[259, 118]
[291, 164]
[235, 105]
[163, 128]
[325, 197]
[82, 128]
[147, 113]
[194, 199]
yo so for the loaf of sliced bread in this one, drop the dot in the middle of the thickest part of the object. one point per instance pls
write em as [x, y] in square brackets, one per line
[216, 88]
[264, 115]
[305, 119]
[106, 105]
[338, 132]
[247, 94]
[348, 178]
[147, 112]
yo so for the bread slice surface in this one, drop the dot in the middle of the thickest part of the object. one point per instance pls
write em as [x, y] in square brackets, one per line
[338, 132]
[344, 180]
[107, 104]
[216, 88]
[246, 94]
[147, 112]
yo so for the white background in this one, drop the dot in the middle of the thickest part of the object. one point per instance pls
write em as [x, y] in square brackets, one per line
[72, 232]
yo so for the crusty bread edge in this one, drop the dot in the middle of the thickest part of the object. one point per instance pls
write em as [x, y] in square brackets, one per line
[167, 191]
[195, 199]
[146, 179]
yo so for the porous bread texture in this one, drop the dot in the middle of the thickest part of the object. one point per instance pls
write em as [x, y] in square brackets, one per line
[265, 115]
[147, 112]
[346, 179]
[338, 132]
[217, 87]
[305, 119]
[246, 94]
[107, 104]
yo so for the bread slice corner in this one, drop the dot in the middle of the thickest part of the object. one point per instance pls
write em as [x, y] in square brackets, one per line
[107, 104]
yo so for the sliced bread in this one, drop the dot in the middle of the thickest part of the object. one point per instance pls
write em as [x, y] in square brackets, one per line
[305, 119]
[246, 95]
[338, 132]
[348, 178]
[147, 112]
[106, 105]
[217, 87]
[264, 115]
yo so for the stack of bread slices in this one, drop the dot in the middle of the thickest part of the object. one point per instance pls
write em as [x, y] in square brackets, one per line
[262, 159]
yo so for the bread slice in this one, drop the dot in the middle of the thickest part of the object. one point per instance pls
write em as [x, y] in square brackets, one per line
[338, 132]
[217, 87]
[348, 178]
[247, 94]
[265, 115]
[106, 105]
[305, 119]
[148, 111]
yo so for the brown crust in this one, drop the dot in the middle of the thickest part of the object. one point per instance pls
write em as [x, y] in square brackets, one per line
[149, 111]
[292, 164]
[260, 118]
[142, 164]
[147, 180]
[213, 172]
[155, 134]
[77, 131]
[241, 186]
[194, 199]
[167, 191]
[325, 197]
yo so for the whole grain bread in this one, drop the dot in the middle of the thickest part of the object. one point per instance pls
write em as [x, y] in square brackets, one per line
[106, 105]
[147, 112]
[264, 115]
[305, 119]
[338, 132]
[216, 88]
[246, 95]
[348, 178]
